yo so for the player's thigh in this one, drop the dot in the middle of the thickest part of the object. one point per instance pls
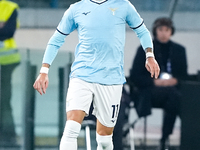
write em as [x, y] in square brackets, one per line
[107, 103]
[79, 98]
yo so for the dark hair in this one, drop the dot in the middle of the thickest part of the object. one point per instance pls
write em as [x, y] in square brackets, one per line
[164, 21]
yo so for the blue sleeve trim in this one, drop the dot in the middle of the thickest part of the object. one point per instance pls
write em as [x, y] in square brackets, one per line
[138, 26]
[61, 32]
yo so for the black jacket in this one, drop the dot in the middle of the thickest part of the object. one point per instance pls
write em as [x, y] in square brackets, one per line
[141, 77]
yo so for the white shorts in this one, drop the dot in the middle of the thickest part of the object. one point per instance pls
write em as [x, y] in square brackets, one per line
[106, 100]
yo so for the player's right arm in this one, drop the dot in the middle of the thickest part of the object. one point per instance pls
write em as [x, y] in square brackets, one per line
[55, 42]
[65, 27]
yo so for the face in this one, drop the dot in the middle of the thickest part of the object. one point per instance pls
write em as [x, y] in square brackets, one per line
[163, 34]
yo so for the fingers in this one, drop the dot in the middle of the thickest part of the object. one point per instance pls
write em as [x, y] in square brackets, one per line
[153, 68]
[152, 73]
[37, 86]
[41, 84]
[148, 68]
[157, 71]
[46, 85]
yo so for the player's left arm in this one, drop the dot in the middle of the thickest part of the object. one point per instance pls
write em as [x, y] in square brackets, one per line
[134, 20]
[146, 42]
[151, 64]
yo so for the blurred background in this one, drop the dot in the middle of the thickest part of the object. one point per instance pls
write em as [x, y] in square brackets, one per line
[39, 119]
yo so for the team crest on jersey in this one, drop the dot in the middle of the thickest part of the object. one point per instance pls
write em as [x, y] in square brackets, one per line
[113, 10]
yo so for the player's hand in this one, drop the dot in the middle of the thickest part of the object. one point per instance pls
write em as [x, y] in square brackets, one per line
[41, 83]
[153, 67]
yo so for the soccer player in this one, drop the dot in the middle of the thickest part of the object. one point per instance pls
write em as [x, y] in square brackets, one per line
[97, 72]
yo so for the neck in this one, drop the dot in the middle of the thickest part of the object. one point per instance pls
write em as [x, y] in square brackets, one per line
[162, 43]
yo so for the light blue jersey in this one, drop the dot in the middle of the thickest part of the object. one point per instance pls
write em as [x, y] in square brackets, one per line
[99, 55]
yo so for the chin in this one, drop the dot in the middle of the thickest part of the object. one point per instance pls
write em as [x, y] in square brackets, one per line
[164, 41]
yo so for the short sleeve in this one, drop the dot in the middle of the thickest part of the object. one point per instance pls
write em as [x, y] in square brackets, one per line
[67, 24]
[133, 19]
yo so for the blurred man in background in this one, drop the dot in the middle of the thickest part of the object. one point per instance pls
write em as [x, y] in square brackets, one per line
[163, 92]
[9, 59]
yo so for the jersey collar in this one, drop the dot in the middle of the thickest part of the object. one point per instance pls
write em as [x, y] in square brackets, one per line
[99, 1]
